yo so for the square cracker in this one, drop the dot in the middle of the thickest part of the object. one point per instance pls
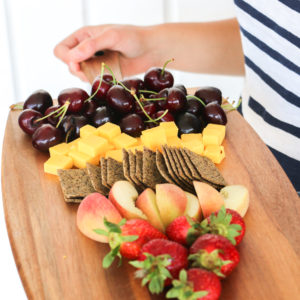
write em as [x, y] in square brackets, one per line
[132, 171]
[126, 166]
[162, 168]
[114, 171]
[103, 165]
[94, 173]
[139, 165]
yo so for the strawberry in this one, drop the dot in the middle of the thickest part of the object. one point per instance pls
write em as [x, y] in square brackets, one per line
[196, 284]
[226, 222]
[215, 253]
[160, 260]
[126, 238]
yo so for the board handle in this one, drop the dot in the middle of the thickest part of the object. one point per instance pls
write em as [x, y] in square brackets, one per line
[91, 67]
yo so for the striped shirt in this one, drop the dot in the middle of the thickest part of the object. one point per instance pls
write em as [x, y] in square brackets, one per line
[270, 31]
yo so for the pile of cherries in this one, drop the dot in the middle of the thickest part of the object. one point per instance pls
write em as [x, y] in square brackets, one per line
[133, 103]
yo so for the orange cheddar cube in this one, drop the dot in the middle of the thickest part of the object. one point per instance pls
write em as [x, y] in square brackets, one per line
[80, 159]
[87, 130]
[213, 134]
[136, 148]
[57, 162]
[60, 149]
[93, 145]
[124, 140]
[174, 141]
[108, 130]
[171, 130]
[215, 152]
[115, 154]
[194, 145]
[154, 138]
[74, 144]
[186, 137]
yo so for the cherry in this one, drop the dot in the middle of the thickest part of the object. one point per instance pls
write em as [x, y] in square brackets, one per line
[53, 119]
[39, 100]
[157, 79]
[209, 94]
[107, 83]
[89, 108]
[214, 113]
[71, 125]
[46, 136]
[27, 120]
[194, 107]
[168, 117]
[135, 83]
[176, 100]
[162, 104]
[120, 99]
[188, 123]
[76, 96]
[181, 87]
[132, 124]
[150, 109]
[102, 115]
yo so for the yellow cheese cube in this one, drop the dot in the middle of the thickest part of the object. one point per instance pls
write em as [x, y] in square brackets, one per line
[213, 134]
[60, 149]
[186, 137]
[215, 152]
[154, 138]
[93, 145]
[136, 148]
[80, 159]
[124, 140]
[171, 130]
[87, 130]
[57, 162]
[221, 128]
[174, 141]
[115, 154]
[108, 130]
[74, 144]
[194, 145]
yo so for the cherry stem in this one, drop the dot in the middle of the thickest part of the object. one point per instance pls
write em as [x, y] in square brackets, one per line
[164, 66]
[99, 85]
[154, 99]
[149, 92]
[66, 106]
[115, 81]
[68, 134]
[16, 107]
[231, 107]
[160, 117]
[195, 97]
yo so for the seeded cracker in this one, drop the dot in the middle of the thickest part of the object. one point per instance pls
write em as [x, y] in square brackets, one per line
[94, 173]
[114, 171]
[139, 165]
[183, 164]
[191, 167]
[75, 184]
[126, 166]
[162, 168]
[132, 171]
[103, 165]
[151, 175]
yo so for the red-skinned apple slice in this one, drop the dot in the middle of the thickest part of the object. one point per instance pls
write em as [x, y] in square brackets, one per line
[124, 195]
[146, 202]
[91, 213]
[193, 208]
[210, 199]
[171, 201]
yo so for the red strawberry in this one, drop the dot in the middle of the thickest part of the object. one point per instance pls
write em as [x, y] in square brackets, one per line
[160, 261]
[228, 223]
[126, 238]
[214, 252]
[184, 230]
[196, 284]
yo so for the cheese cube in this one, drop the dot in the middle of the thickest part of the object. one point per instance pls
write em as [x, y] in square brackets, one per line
[194, 145]
[124, 140]
[74, 144]
[215, 152]
[154, 138]
[60, 149]
[80, 159]
[171, 130]
[136, 148]
[108, 130]
[57, 162]
[93, 145]
[174, 141]
[213, 134]
[221, 128]
[186, 137]
[115, 154]
[87, 130]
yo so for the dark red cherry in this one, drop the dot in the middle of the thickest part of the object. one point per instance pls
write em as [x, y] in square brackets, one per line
[209, 94]
[161, 104]
[194, 107]
[107, 83]
[103, 115]
[176, 100]
[188, 123]
[214, 113]
[76, 96]
[53, 119]
[168, 117]
[150, 109]
[89, 108]
[46, 136]
[132, 124]
[181, 87]
[71, 124]
[27, 120]
[39, 100]
[120, 99]
[135, 83]
[157, 79]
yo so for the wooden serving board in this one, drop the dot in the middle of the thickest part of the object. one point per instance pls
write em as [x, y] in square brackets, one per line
[55, 261]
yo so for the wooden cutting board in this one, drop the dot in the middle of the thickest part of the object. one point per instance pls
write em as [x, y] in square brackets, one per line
[55, 261]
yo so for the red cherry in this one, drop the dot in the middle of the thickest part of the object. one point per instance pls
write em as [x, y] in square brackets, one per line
[75, 96]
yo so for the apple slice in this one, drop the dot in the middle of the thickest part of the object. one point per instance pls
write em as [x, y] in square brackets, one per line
[171, 201]
[236, 197]
[91, 213]
[123, 195]
[210, 199]
[193, 208]
[146, 202]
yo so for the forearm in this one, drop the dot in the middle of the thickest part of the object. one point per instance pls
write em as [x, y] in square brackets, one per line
[213, 47]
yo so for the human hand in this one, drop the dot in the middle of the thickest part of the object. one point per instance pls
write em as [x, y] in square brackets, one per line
[131, 42]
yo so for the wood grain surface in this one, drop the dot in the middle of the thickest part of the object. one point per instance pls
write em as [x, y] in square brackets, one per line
[55, 261]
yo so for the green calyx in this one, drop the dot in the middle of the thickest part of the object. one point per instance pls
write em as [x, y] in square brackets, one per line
[115, 240]
[195, 231]
[183, 289]
[153, 271]
[220, 224]
[209, 260]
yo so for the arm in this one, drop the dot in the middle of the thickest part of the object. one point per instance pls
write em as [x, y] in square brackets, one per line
[213, 47]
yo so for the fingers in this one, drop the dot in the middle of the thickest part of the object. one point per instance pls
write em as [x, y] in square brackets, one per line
[74, 68]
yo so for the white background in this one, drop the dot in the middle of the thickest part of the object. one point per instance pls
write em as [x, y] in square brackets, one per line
[30, 29]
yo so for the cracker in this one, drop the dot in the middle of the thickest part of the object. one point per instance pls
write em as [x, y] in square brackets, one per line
[75, 184]
[126, 167]
[183, 164]
[139, 165]
[151, 174]
[94, 173]
[162, 168]
[103, 164]
[114, 171]
[132, 171]
[191, 167]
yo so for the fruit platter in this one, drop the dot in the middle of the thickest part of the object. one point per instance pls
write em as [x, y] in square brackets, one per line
[76, 201]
